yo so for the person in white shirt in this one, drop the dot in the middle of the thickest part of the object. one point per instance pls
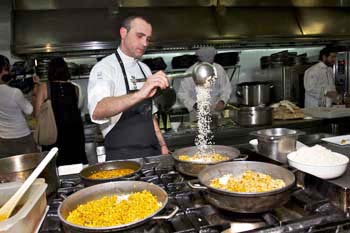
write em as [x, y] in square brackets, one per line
[221, 90]
[119, 96]
[15, 136]
[319, 81]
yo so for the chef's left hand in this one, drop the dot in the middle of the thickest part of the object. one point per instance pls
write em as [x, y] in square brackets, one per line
[164, 150]
[220, 106]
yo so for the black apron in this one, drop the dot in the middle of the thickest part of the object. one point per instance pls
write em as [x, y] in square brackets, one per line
[133, 136]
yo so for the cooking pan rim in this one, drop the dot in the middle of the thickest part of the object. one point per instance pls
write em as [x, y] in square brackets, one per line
[117, 227]
[175, 155]
[109, 162]
[240, 194]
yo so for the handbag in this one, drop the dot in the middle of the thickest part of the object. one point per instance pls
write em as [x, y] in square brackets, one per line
[46, 130]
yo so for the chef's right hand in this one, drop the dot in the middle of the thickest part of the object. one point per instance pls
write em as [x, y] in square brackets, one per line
[153, 82]
[331, 94]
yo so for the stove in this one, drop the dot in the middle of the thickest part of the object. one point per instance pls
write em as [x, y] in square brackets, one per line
[303, 213]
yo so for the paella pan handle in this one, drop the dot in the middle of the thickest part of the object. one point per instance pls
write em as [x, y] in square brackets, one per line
[166, 217]
[292, 169]
[241, 157]
[196, 186]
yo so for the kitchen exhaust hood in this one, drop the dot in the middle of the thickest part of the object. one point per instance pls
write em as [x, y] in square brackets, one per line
[89, 26]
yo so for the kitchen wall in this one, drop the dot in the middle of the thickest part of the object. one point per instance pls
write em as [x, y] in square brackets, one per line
[5, 30]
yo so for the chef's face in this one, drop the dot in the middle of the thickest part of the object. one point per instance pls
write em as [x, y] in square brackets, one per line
[330, 60]
[135, 41]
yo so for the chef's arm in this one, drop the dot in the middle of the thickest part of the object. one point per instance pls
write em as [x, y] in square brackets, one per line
[111, 106]
[162, 143]
[331, 94]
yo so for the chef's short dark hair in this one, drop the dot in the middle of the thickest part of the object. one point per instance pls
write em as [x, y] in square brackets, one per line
[126, 23]
[4, 63]
[327, 51]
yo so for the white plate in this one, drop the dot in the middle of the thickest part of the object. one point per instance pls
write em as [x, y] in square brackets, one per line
[338, 140]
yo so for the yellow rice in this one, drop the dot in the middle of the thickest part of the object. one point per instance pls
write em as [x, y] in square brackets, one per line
[109, 211]
[111, 173]
[248, 182]
[215, 157]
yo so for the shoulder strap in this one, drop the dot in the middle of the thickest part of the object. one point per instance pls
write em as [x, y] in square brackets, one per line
[144, 75]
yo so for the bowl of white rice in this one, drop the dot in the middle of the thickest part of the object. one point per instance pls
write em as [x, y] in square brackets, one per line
[319, 161]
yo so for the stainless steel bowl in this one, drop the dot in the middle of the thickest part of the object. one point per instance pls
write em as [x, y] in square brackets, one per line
[277, 142]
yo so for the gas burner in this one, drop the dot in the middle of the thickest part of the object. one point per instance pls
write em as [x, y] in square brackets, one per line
[303, 213]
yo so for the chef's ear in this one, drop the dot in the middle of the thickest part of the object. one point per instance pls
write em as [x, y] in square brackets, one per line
[123, 31]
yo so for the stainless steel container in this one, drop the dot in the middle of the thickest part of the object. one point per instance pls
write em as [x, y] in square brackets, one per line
[253, 116]
[254, 93]
[277, 142]
[19, 167]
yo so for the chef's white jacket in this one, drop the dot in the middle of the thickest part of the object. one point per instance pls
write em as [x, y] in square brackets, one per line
[221, 90]
[318, 80]
[106, 79]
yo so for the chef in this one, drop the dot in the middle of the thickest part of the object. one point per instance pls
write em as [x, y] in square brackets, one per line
[319, 80]
[119, 96]
[220, 92]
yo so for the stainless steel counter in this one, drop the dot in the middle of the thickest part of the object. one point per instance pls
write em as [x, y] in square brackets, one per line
[234, 134]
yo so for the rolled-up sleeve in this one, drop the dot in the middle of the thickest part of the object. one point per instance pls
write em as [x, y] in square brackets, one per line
[100, 86]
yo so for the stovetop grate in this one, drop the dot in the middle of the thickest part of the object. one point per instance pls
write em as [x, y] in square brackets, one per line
[303, 213]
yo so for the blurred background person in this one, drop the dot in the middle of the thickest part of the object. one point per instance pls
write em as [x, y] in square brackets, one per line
[15, 136]
[64, 99]
[319, 80]
[220, 92]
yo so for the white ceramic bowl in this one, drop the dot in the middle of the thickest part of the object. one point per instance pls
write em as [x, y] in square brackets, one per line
[321, 171]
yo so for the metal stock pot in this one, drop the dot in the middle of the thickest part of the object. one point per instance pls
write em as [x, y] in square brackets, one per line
[254, 93]
[277, 142]
[253, 116]
[19, 168]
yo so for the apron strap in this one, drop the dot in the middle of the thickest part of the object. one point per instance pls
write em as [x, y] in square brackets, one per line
[124, 72]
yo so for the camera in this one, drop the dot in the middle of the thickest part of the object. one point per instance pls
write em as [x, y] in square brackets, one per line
[21, 77]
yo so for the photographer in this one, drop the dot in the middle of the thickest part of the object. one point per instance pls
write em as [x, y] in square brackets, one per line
[15, 136]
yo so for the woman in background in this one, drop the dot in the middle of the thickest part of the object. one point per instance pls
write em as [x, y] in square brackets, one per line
[15, 136]
[64, 99]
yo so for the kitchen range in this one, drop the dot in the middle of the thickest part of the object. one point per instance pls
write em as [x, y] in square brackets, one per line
[304, 212]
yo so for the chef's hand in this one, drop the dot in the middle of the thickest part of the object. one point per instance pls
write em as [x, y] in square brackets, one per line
[36, 79]
[153, 82]
[332, 94]
[220, 106]
[164, 150]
